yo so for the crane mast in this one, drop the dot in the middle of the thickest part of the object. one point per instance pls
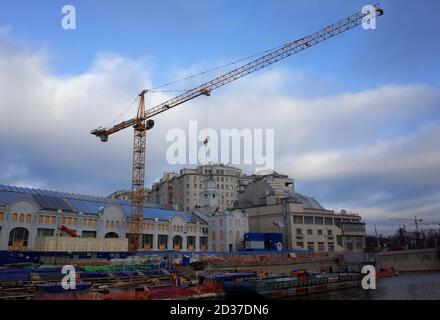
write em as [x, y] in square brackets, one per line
[141, 123]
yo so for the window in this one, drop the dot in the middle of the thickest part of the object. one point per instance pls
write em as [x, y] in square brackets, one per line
[163, 241]
[329, 232]
[2, 216]
[328, 221]
[299, 231]
[339, 241]
[308, 220]
[237, 236]
[88, 234]
[28, 218]
[319, 232]
[319, 220]
[300, 244]
[309, 232]
[14, 217]
[213, 236]
[111, 235]
[221, 235]
[21, 217]
[321, 247]
[331, 247]
[311, 245]
[191, 242]
[45, 232]
[177, 242]
[203, 243]
[298, 219]
[148, 241]
[18, 238]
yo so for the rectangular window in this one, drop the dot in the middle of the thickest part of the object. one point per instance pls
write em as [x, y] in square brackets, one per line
[309, 232]
[299, 231]
[300, 244]
[45, 232]
[163, 241]
[191, 242]
[2, 215]
[88, 234]
[319, 232]
[308, 220]
[339, 241]
[328, 221]
[321, 247]
[148, 241]
[298, 219]
[319, 220]
[329, 232]
[203, 243]
[311, 245]
[331, 247]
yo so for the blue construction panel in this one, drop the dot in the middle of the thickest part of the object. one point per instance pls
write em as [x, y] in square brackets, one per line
[254, 237]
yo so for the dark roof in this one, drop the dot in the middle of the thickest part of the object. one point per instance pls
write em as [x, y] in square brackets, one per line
[71, 202]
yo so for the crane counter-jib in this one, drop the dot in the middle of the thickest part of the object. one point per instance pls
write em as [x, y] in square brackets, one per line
[278, 54]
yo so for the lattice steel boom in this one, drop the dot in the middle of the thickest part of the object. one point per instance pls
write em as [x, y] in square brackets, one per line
[141, 125]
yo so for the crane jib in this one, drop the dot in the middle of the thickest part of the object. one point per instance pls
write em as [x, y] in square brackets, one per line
[285, 51]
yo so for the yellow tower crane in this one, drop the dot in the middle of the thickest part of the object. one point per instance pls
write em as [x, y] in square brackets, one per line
[143, 122]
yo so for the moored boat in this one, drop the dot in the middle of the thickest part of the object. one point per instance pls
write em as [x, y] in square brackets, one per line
[386, 272]
[287, 286]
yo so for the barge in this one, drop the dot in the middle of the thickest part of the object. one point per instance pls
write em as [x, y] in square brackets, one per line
[289, 286]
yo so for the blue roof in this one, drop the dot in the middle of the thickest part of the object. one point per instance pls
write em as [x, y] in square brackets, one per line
[54, 200]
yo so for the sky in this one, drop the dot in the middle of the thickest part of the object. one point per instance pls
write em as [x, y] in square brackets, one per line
[356, 119]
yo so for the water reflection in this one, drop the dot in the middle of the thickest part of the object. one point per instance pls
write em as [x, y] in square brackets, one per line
[409, 286]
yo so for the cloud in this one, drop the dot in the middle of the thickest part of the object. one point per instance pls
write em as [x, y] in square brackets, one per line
[375, 152]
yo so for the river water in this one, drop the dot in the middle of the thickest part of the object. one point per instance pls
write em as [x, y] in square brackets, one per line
[407, 286]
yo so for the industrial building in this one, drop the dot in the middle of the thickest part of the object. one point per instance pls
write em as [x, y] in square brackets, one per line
[273, 206]
[28, 214]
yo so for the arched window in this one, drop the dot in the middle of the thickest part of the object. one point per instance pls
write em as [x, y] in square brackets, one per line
[111, 235]
[28, 218]
[237, 236]
[21, 217]
[14, 217]
[18, 239]
[230, 235]
[213, 235]
[221, 235]
[177, 242]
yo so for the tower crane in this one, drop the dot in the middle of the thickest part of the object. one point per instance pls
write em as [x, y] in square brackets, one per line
[143, 122]
[416, 221]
